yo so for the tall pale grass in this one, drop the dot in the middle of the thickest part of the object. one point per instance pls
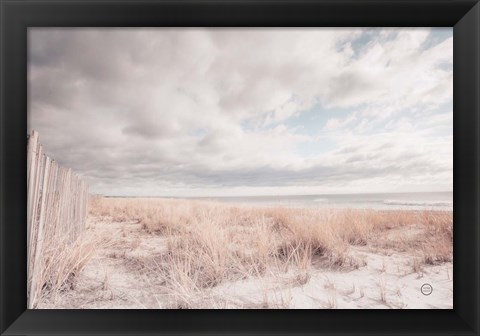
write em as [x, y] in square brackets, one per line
[209, 243]
[61, 262]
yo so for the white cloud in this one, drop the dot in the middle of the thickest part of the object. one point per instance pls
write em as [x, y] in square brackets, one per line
[167, 110]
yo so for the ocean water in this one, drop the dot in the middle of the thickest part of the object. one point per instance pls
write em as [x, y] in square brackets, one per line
[380, 201]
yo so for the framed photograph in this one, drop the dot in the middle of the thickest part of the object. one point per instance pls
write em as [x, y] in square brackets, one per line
[236, 167]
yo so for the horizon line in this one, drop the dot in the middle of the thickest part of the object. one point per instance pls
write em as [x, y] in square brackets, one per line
[274, 195]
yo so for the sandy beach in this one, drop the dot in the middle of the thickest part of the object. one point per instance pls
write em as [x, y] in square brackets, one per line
[193, 167]
[157, 254]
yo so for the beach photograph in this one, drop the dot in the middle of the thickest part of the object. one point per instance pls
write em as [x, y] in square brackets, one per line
[240, 168]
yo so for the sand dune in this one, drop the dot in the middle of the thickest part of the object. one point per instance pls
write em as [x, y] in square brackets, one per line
[188, 254]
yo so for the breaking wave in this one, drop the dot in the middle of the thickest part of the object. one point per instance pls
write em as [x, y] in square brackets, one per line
[419, 203]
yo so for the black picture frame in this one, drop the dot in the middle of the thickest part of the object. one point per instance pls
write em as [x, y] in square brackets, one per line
[17, 16]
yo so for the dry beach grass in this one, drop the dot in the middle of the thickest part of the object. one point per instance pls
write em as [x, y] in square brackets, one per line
[200, 254]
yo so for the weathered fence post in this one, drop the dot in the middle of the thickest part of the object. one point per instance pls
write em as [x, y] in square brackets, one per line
[56, 209]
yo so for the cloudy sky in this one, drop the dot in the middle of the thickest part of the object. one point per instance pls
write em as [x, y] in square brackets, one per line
[210, 112]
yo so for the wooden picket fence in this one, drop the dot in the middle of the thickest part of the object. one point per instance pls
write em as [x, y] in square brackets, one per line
[56, 211]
